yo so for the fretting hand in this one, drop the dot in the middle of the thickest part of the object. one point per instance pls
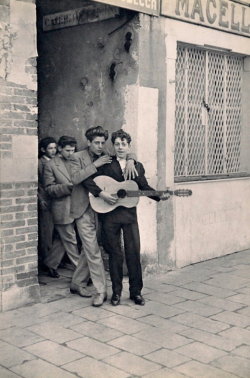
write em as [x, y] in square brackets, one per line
[165, 196]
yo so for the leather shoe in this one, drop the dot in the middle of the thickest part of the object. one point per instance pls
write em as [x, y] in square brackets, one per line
[53, 273]
[80, 291]
[99, 298]
[138, 299]
[115, 299]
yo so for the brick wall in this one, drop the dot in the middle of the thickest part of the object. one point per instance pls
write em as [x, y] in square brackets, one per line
[18, 109]
[18, 154]
[18, 208]
[18, 195]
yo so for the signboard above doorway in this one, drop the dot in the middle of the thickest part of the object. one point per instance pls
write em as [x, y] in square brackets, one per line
[232, 16]
[151, 7]
[89, 13]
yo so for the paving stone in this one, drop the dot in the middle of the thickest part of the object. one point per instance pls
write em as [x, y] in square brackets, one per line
[40, 309]
[132, 364]
[39, 368]
[162, 338]
[92, 348]
[198, 308]
[167, 299]
[201, 352]
[244, 311]
[4, 373]
[210, 290]
[221, 303]
[238, 334]
[216, 341]
[244, 290]
[91, 313]
[129, 311]
[167, 358]
[11, 355]
[72, 303]
[161, 287]
[188, 294]
[54, 353]
[228, 281]
[166, 324]
[19, 337]
[17, 319]
[200, 322]
[89, 368]
[63, 319]
[164, 373]
[97, 331]
[236, 365]
[242, 272]
[197, 370]
[241, 298]
[134, 345]
[123, 324]
[243, 351]
[54, 332]
[232, 318]
[162, 310]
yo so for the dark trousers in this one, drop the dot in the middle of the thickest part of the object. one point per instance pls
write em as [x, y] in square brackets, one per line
[111, 238]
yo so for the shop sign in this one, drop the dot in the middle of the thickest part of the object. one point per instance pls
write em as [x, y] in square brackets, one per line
[228, 15]
[151, 7]
[79, 16]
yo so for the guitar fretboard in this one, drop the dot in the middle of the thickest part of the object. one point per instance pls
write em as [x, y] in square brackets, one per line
[140, 193]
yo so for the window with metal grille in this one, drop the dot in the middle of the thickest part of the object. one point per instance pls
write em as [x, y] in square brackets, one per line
[208, 112]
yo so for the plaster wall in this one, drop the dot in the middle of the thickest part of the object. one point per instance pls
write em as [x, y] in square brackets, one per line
[214, 221]
[75, 87]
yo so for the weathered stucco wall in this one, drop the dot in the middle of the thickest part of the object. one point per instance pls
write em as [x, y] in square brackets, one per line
[18, 149]
[83, 71]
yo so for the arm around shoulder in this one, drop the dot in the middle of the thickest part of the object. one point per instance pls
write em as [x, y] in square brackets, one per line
[81, 168]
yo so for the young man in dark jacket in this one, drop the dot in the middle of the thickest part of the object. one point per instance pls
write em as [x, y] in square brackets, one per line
[121, 219]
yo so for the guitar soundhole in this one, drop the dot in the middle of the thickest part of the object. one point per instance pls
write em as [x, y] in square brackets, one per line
[121, 193]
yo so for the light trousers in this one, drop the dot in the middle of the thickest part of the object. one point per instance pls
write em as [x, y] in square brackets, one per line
[90, 262]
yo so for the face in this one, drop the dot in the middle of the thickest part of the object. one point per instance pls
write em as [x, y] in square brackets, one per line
[66, 151]
[121, 147]
[97, 145]
[50, 151]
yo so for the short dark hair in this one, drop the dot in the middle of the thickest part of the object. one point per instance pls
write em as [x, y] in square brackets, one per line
[67, 141]
[96, 131]
[44, 144]
[120, 134]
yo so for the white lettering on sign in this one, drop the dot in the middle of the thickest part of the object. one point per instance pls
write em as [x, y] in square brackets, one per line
[145, 6]
[219, 14]
[90, 13]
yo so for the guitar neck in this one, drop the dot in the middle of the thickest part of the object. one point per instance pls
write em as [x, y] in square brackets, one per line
[147, 193]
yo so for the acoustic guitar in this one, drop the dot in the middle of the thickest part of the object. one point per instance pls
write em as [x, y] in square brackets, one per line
[127, 193]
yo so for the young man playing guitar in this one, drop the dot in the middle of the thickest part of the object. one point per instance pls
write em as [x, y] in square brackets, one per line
[122, 218]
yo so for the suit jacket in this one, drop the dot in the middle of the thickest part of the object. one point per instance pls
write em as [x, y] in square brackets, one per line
[68, 201]
[42, 194]
[120, 214]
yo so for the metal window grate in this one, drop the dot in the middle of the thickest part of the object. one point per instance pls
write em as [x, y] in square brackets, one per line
[208, 112]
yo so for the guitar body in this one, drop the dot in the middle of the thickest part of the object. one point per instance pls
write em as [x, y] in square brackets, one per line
[110, 185]
[127, 194]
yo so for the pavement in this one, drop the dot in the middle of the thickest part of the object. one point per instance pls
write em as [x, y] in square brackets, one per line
[195, 323]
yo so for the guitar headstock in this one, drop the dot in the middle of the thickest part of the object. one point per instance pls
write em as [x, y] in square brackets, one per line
[183, 192]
